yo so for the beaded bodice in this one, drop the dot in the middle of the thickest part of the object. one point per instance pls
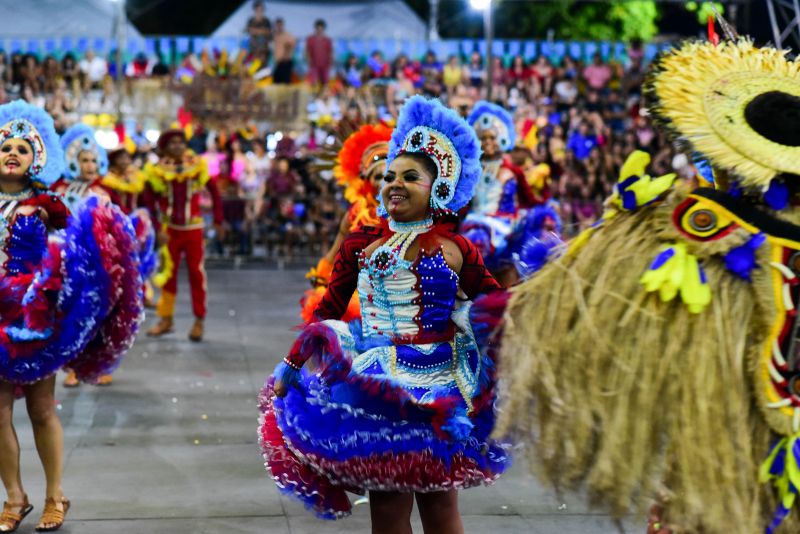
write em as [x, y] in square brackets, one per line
[8, 207]
[404, 299]
[76, 191]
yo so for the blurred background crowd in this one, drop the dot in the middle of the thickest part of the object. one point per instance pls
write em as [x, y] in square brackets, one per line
[577, 120]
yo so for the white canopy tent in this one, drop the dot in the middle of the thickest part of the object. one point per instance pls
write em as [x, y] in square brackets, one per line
[47, 19]
[353, 19]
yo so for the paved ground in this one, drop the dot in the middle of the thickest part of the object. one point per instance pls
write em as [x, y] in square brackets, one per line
[171, 446]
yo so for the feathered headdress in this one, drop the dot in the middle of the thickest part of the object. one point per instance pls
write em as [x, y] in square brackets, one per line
[735, 104]
[363, 149]
[21, 120]
[77, 139]
[428, 127]
[488, 116]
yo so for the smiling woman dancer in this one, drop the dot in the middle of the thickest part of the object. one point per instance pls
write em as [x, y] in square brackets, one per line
[401, 402]
[54, 290]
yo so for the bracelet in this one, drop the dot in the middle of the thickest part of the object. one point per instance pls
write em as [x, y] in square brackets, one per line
[291, 364]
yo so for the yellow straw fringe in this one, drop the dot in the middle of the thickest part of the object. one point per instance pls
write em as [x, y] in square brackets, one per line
[610, 387]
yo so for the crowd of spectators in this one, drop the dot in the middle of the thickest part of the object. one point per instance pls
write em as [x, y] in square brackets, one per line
[581, 119]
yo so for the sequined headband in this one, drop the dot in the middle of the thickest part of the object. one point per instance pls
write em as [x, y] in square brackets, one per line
[489, 121]
[23, 129]
[373, 154]
[81, 144]
[441, 150]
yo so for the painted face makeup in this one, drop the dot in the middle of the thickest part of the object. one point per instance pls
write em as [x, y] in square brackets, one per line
[406, 191]
[16, 157]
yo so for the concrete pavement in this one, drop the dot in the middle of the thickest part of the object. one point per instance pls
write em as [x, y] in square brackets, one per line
[171, 446]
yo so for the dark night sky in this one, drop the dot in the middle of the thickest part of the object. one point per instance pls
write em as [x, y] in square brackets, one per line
[201, 17]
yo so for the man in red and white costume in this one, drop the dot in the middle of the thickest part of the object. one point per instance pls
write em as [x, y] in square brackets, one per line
[176, 183]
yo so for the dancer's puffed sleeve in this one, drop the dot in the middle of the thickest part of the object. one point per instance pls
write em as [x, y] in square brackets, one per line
[57, 211]
[216, 200]
[474, 278]
[344, 276]
[343, 282]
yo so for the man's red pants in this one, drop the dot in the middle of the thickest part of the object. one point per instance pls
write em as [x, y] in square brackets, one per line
[190, 243]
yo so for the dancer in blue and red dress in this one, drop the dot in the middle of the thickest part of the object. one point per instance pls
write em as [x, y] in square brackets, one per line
[85, 163]
[58, 279]
[506, 220]
[401, 402]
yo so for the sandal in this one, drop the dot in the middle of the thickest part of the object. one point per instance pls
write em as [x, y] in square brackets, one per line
[9, 520]
[52, 515]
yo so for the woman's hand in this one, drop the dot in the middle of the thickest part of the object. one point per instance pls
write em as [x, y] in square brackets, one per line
[286, 376]
[280, 388]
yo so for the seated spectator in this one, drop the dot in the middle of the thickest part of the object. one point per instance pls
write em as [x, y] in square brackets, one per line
[581, 142]
[351, 73]
[597, 74]
[452, 75]
[93, 69]
[377, 67]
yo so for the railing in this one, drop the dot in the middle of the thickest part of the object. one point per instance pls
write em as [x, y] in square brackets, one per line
[174, 47]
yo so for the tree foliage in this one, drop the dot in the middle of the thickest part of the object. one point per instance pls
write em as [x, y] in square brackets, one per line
[569, 19]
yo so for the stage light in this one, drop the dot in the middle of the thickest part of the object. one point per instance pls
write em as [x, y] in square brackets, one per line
[480, 4]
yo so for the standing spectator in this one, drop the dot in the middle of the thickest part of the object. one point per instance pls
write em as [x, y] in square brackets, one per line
[259, 30]
[319, 52]
[93, 68]
[582, 142]
[284, 44]
[598, 74]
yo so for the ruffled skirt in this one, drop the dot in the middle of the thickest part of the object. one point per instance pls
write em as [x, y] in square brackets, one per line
[59, 291]
[378, 416]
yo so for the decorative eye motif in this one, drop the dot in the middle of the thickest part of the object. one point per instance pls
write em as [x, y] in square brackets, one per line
[703, 220]
[443, 193]
[486, 121]
[382, 259]
[443, 190]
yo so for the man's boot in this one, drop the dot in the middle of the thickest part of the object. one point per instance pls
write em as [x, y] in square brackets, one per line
[196, 333]
[164, 326]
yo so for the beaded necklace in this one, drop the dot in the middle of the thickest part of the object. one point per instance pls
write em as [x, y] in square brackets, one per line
[385, 258]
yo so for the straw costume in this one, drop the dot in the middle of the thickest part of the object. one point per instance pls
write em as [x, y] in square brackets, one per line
[657, 359]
